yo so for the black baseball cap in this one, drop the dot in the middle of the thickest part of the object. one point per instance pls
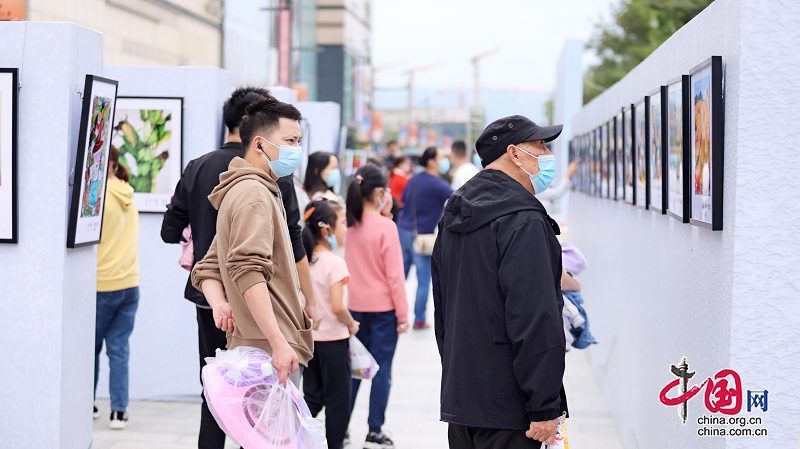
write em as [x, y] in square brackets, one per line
[513, 130]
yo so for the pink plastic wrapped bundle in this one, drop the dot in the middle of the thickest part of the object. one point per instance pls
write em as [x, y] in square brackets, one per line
[253, 408]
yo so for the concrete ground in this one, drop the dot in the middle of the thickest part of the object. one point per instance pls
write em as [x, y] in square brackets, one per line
[412, 416]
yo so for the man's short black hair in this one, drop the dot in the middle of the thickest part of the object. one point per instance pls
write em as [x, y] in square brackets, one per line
[459, 148]
[391, 142]
[263, 117]
[234, 108]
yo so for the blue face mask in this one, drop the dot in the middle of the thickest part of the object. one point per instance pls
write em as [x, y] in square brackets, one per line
[330, 238]
[444, 166]
[288, 161]
[547, 171]
[476, 160]
[334, 176]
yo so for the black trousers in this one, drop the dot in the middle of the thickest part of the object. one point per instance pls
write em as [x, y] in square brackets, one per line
[327, 383]
[210, 339]
[465, 437]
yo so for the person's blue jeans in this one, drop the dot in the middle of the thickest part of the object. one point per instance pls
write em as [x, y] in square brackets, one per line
[423, 264]
[115, 313]
[407, 245]
[378, 333]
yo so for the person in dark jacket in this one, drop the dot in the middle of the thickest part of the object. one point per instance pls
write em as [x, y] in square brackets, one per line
[496, 270]
[190, 205]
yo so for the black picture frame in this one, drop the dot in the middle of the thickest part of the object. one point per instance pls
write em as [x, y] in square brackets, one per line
[679, 206]
[9, 87]
[707, 184]
[656, 146]
[640, 138]
[81, 233]
[611, 166]
[619, 163]
[629, 159]
[153, 202]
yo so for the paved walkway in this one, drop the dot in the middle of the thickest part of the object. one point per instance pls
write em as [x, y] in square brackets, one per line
[412, 416]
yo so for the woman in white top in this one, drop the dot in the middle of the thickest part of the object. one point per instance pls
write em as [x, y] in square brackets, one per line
[322, 175]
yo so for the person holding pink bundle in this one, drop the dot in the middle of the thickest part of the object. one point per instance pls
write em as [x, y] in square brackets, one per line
[377, 288]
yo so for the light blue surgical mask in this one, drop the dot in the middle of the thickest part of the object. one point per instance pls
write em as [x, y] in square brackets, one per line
[330, 238]
[547, 171]
[334, 176]
[476, 160]
[444, 166]
[288, 161]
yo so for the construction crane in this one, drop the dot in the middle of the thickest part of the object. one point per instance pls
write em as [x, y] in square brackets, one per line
[411, 73]
[476, 92]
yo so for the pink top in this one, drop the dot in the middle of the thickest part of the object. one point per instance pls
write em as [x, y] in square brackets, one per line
[373, 254]
[328, 269]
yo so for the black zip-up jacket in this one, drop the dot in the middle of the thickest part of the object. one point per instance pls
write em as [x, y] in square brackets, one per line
[496, 270]
[190, 205]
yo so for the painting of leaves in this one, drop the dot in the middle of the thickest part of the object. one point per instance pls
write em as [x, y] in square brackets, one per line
[147, 134]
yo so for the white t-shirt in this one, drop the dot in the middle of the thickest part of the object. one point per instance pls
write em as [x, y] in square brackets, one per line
[463, 174]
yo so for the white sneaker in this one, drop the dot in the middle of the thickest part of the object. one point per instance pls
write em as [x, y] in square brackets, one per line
[95, 413]
[119, 421]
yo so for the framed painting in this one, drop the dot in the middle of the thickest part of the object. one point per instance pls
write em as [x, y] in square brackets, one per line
[9, 109]
[707, 123]
[657, 156]
[642, 166]
[604, 185]
[629, 161]
[584, 164]
[91, 162]
[679, 149]
[619, 160]
[148, 133]
[571, 147]
[598, 173]
[612, 159]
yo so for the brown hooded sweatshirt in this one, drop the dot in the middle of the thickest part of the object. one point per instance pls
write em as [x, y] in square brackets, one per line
[252, 245]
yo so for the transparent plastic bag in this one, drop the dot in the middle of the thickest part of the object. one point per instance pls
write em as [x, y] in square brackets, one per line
[362, 364]
[249, 403]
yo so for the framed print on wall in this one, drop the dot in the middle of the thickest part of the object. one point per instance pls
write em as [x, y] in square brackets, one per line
[9, 107]
[148, 133]
[91, 162]
[619, 162]
[629, 193]
[604, 186]
[612, 159]
[598, 173]
[641, 136]
[656, 144]
[707, 123]
[679, 149]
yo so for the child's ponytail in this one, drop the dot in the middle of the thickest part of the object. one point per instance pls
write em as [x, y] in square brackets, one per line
[367, 179]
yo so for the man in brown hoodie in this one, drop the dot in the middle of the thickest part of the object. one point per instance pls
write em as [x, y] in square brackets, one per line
[250, 260]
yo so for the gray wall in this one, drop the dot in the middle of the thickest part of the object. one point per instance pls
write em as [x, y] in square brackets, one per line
[658, 290]
[47, 291]
[164, 361]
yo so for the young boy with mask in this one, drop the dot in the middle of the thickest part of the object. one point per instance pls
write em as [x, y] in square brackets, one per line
[250, 260]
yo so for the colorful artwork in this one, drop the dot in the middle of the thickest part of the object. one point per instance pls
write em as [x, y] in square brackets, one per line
[641, 155]
[147, 134]
[656, 170]
[91, 162]
[675, 148]
[94, 175]
[702, 136]
[612, 161]
[604, 161]
[620, 162]
[627, 141]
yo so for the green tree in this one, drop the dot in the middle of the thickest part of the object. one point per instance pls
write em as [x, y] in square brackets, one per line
[636, 29]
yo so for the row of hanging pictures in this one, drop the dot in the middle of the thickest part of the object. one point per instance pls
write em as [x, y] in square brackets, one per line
[146, 132]
[663, 153]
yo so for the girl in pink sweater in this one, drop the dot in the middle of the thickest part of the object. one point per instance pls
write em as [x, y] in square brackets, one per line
[377, 287]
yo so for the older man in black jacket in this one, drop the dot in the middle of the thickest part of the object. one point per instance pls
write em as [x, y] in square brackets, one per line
[496, 286]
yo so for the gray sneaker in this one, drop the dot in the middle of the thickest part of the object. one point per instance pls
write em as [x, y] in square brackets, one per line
[378, 441]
